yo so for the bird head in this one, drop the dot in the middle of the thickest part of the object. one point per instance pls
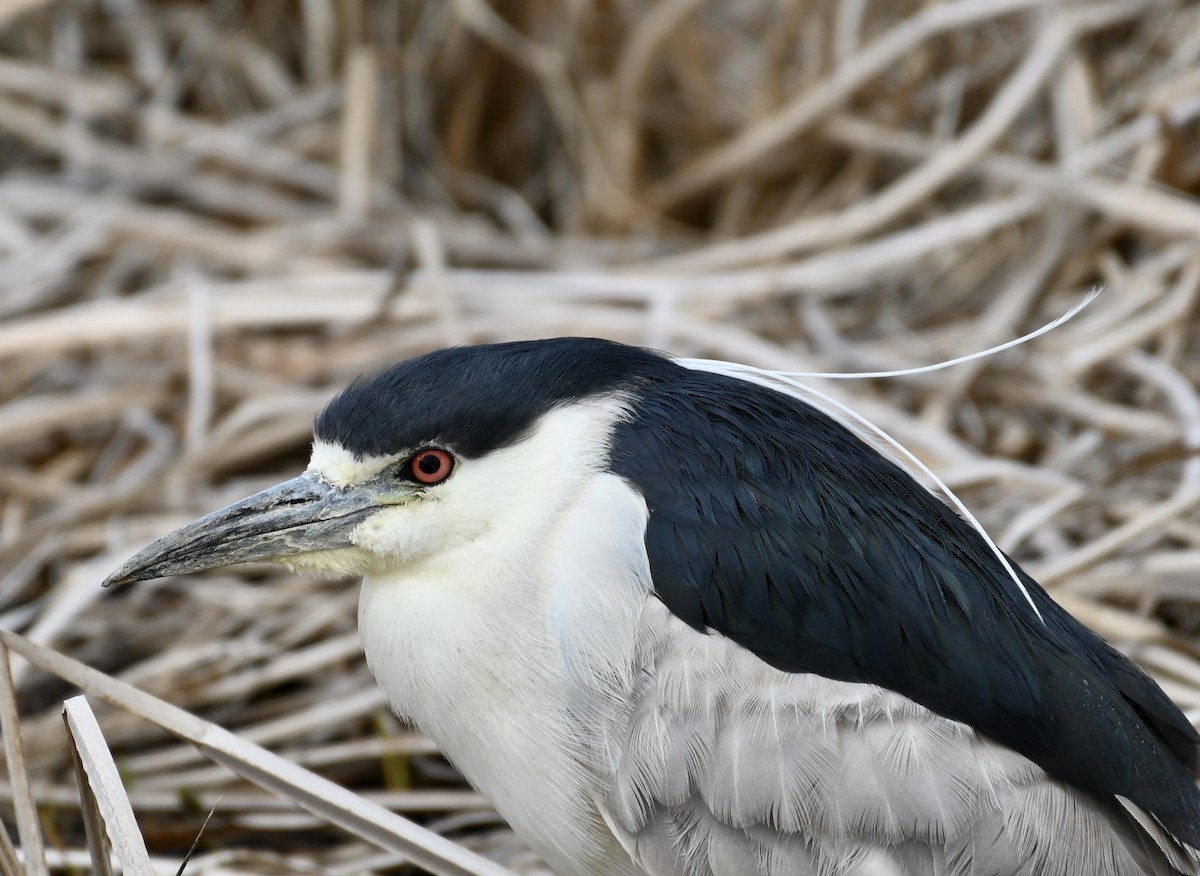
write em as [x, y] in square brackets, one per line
[431, 455]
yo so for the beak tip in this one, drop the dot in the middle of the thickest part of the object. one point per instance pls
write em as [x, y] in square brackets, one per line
[116, 579]
[148, 563]
[127, 573]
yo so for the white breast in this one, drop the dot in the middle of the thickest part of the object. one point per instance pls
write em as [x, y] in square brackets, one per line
[487, 649]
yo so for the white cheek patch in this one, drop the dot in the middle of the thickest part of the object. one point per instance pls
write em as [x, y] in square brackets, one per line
[338, 466]
[391, 531]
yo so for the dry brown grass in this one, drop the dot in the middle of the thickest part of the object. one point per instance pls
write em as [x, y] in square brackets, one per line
[214, 215]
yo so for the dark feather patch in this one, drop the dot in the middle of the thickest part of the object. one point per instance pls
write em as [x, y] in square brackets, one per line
[774, 525]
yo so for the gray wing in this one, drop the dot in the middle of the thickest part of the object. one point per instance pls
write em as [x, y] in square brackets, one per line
[726, 766]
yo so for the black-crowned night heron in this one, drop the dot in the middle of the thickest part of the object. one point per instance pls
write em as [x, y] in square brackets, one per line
[673, 622]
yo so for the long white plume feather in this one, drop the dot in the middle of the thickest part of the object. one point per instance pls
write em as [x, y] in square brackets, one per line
[787, 381]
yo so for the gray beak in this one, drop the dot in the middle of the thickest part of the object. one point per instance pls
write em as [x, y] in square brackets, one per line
[301, 515]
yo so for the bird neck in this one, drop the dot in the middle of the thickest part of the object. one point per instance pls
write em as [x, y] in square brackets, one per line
[492, 650]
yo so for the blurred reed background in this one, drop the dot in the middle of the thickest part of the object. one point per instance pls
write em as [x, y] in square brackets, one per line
[213, 215]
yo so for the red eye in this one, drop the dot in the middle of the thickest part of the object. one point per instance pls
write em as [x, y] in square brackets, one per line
[430, 466]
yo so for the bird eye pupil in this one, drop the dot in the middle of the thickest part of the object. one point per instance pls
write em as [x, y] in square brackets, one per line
[429, 463]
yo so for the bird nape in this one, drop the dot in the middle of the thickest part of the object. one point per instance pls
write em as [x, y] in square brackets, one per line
[669, 621]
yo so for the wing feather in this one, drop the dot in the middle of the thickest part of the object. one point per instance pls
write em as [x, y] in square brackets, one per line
[725, 765]
[776, 527]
